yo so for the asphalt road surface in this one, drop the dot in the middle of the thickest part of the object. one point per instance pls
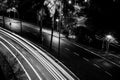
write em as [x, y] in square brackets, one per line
[87, 65]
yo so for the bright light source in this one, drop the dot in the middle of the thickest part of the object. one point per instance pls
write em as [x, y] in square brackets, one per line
[110, 39]
[109, 36]
[70, 2]
[86, 0]
[13, 8]
[57, 20]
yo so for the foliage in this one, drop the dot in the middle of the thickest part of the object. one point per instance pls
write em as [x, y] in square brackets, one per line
[5, 4]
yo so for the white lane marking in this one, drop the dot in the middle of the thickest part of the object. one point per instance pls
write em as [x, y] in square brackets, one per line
[97, 66]
[108, 73]
[115, 55]
[16, 59]
[46, 56]
[86, 59]
[67, 49]
[76, 53]
[95, 54]
[100, 68]
[23, 57]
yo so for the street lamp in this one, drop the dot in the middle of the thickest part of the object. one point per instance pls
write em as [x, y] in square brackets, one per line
[110, 39]
[69, 2]
[57, 20]
[14, 10]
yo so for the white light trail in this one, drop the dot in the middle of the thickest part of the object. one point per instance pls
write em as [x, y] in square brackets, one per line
[39, 59]
[47, 57]
[45, 63]
[23, 57]
[16, 59]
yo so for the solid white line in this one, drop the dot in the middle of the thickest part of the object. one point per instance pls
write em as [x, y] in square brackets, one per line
[76, 53]
[115, 56]
[16, 59]
[108, 73]
[96, 54]
[86, 59]
[23, 57]
[67, 49]
[97, 66]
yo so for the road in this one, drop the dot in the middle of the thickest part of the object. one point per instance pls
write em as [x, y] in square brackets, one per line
[35, 62]
[86, 64]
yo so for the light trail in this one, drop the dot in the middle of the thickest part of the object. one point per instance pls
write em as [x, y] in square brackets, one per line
[31, 51]
[59, 67]
[45, 63]
[46, 56]
[16, 59]
[23, 57]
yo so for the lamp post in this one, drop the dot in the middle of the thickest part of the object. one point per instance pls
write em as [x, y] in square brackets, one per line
[110, 39]
[59, 30]
[69, 2]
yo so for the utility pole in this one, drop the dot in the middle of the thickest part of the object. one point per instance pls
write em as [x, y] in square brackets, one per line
[3, 20]
[20, 22]
[52, 32]
[59, 30]
[60, 15]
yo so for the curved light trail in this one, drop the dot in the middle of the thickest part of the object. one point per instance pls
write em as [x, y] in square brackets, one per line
[16, 59]
[39, 55]
[23, 57]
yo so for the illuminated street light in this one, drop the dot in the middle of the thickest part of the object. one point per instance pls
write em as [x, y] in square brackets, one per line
[85, 0]
[110, 39]
[57, 20]
[70, 2]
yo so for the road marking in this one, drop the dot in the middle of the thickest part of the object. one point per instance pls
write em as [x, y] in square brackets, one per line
[97, 66]
[115, 55]
[108, 73]
[67, 49]
[76, 53]
[96, 54]
[86, 59]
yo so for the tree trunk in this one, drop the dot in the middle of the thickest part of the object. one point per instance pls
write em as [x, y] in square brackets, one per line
[52, 33]
[3, 20]
[41, 30]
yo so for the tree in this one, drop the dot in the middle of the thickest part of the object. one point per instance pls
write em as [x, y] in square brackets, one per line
[41, 14]
[3, 7]
[6, 4]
